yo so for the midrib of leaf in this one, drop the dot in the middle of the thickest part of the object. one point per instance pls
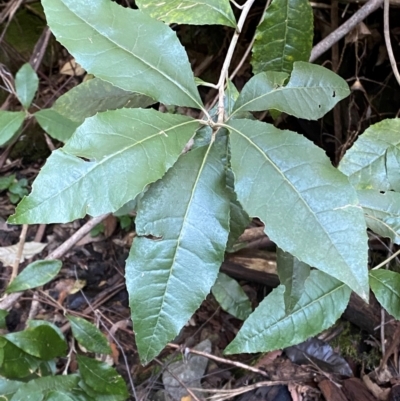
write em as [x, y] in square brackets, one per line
[178, 246]
[105, 159]
[92, 371]
[138, 58]
[291, 185]
[302, 310]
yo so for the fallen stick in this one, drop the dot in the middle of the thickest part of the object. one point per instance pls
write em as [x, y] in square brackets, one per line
[344, 29]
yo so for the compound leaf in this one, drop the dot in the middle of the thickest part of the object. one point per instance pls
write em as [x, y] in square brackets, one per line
[311, 92]
[205, 12]
[382, 212]
[10, 123]
[373, 162]
[35, 274]
[26, 84]
[385, 284]
[284, 36]
[293, 275]
[126, 48]
[303, 200]
[270, 327]
[127, 149]
[182, 225]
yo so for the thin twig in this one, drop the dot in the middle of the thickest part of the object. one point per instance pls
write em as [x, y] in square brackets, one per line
[20, 250]
[386, 261]
[344, 29]
[219, 359]
[228, 59]
[250, 46]
[389, 49]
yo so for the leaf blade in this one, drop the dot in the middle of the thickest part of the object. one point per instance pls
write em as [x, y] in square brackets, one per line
[88, 335]
[311, 92]
[35, 274]
[85, 100]
[141, 45]
[26, 84]
[230, 295]
[269, 327]
[385, 285]
[293, 275]
[10, 123]
[116, 143]
[284, 36]
[373, 161]
[382, 212]
[206, 12]
[165, 273]
[300, 200]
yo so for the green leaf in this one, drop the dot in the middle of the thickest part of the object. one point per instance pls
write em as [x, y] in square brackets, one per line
[10, 123]
[126, 48]
[41, 342]
[17, 363]
[116, 143]
[182, 225]
[303, 200]
[26, 84]
[38, 388]
[59, 396]
[94, 96]
[382, 212]
[89, 336]
[231, 297]
[36, 323]
[310, 93]
[3, 315]
[373, 162]
[85, 100]
[8, 388]
[269, 327]
[35, 274]
[56, 125]
[6, 182]
[385, 284]
[293, 275]
[101, 377]
[284, 36]
[239, 219]
[206, 12]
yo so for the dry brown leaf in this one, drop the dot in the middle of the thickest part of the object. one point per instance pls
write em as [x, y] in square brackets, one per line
[8, 253]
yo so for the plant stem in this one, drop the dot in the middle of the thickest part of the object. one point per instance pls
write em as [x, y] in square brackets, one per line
[386, 261]
[228, 59]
